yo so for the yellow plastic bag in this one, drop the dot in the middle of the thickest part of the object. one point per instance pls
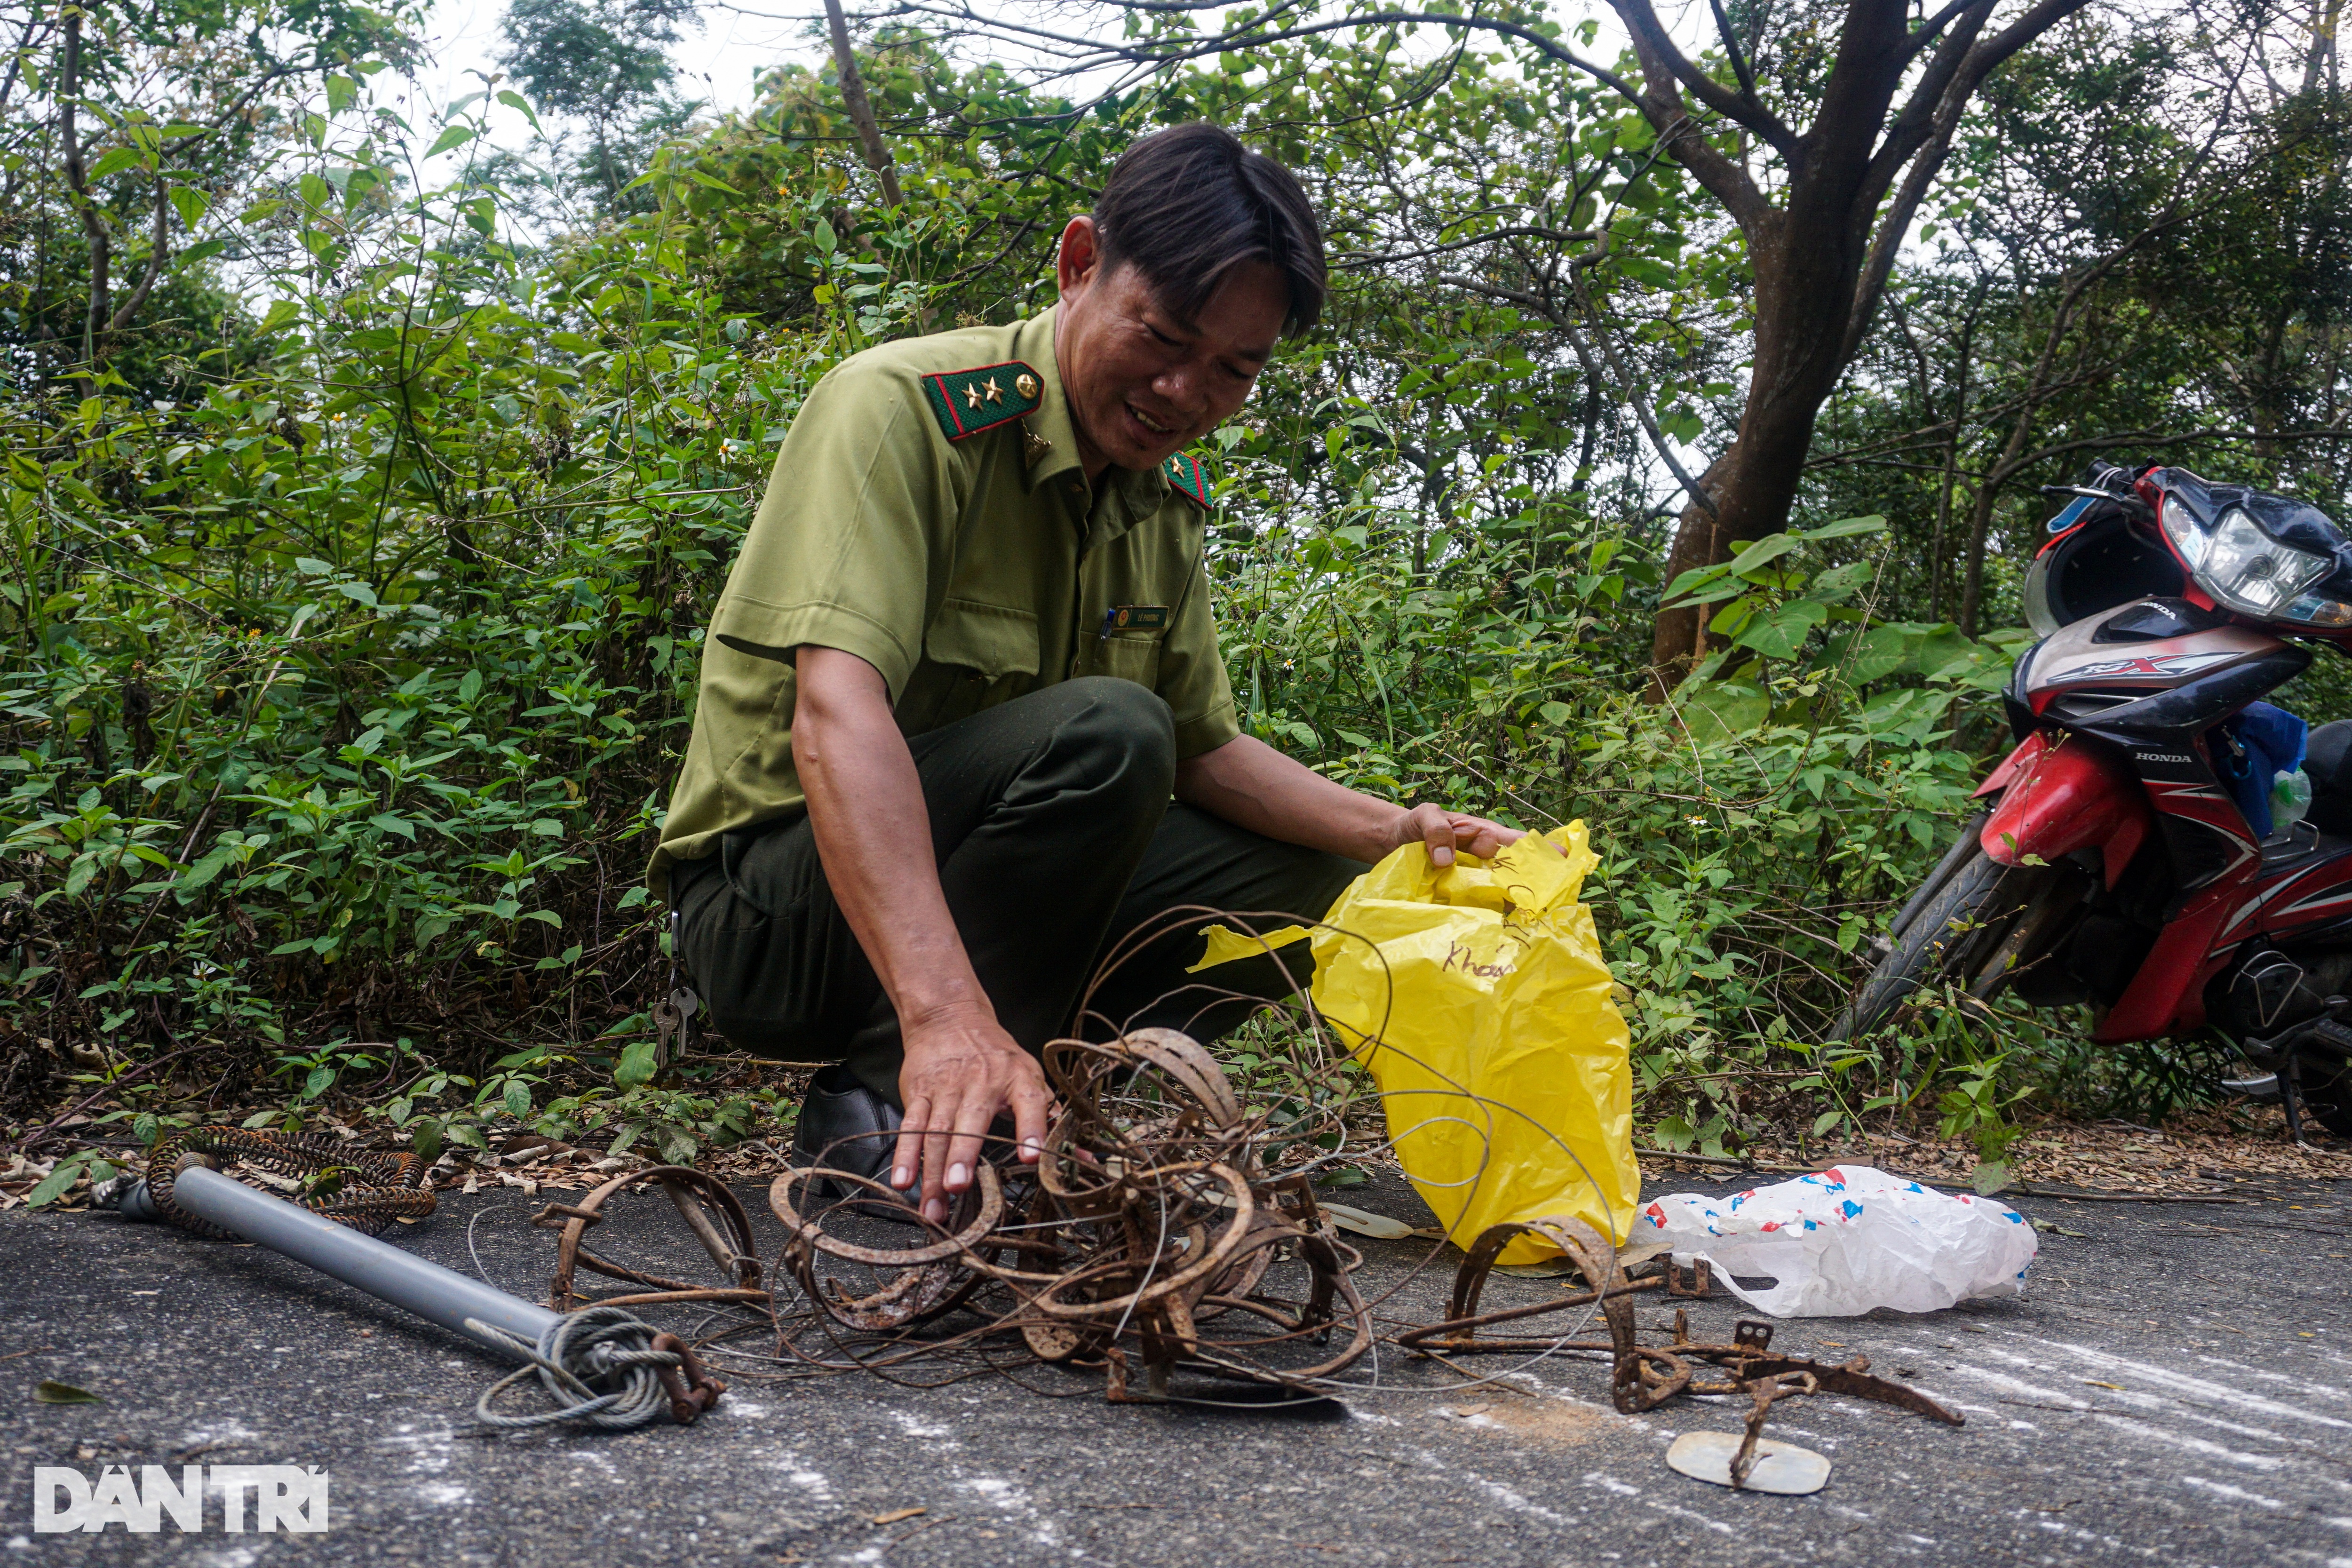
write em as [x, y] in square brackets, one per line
[1485, 1019]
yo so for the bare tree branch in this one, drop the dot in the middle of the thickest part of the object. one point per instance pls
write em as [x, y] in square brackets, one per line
[1651, 43]
[861, 111]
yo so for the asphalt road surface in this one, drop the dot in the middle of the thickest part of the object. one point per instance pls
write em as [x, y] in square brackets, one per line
[2176, 1387]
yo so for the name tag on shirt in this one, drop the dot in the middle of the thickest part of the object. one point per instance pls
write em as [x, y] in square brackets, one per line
[1135, 618]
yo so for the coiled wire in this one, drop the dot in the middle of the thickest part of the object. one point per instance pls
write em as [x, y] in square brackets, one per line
[567, 1357]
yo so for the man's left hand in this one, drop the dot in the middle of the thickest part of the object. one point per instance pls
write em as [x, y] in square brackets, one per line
[1448, 832]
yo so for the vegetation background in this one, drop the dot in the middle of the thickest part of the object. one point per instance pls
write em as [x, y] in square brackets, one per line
[367, 483]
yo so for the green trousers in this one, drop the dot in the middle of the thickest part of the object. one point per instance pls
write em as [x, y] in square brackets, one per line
[1057, 840]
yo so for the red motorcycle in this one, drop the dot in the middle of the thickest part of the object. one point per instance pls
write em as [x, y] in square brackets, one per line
[2127, 857]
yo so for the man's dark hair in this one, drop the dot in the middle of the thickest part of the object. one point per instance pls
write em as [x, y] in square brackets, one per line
[1186, 205]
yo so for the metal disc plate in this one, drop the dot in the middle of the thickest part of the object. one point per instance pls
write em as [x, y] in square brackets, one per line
[1781, 1467]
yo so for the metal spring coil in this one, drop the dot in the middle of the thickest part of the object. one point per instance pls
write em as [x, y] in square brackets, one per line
[376, 1189]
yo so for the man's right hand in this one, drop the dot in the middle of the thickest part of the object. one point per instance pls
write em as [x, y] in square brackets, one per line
[961, 1070]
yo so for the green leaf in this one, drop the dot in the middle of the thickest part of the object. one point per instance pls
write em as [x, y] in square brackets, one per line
[191, 205]
[1780, 633]
[392, 824]
[823, 235]
[452, 136]
[282, 314]
[700, 178]
[1705, 585]
[116, 161]
[56, 1185]
[1719, 712]
[1990, 1176]
[341, 93]
[1763, 553]
[1846, 528]
[320, 1081]
[518, 1098]
[428, 1140]
[515, 101]
[48, 1391]
[635, 1064]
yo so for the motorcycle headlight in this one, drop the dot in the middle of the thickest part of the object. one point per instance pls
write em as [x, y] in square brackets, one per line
[2248, 571]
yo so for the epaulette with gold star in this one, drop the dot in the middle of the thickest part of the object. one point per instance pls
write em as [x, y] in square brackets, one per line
[1190, 477]
[967, 402]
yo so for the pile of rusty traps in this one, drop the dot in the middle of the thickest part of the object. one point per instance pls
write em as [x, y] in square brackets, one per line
[1152, 1244]
[1150, 1237]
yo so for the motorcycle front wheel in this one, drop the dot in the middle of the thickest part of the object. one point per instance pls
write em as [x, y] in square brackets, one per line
[1950, 938]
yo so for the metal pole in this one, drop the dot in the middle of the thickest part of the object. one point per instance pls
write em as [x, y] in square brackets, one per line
[437, 1294]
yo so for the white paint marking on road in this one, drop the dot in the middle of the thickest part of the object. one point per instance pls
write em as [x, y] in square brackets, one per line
[1609, 1484]
[428, 1451]
[2215, 1392]
[2152, 1403]
[2193, 1444]
[1691, 1516]
[1005, 1494]
[2263, 1374]
[1514, 1502]
[2001, 1380]
[2235, 1494]
[2058, 1527]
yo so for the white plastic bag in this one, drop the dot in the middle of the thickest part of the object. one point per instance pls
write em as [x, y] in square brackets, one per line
[1840, 1241]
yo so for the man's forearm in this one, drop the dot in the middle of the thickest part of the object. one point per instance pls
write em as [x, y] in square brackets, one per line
[1252, 786]
[874, 835]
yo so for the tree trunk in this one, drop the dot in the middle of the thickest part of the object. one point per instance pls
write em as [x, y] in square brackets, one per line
[1973, 584]
[1805, 288]
[1822, 254]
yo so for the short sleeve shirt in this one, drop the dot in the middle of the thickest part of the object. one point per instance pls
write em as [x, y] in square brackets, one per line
[968, 566]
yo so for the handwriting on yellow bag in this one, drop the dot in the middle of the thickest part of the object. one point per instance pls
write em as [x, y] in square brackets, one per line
[1477, 996]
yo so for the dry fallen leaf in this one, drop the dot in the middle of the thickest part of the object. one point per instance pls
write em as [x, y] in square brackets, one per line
[1379, 1226]
[895, 1515]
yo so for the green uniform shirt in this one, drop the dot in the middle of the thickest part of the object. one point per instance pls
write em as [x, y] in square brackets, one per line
[970, 567]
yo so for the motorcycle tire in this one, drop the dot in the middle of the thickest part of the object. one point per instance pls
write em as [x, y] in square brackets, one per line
[1963, 922]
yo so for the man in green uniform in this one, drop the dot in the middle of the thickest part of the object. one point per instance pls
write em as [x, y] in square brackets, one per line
[963, 724]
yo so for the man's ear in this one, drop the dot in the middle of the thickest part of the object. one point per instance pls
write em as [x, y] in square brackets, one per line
[1080, 255]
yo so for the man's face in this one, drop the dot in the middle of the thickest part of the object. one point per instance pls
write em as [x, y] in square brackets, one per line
[1141, 384]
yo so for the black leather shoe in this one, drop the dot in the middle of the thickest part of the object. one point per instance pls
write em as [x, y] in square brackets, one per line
[838, 1106]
